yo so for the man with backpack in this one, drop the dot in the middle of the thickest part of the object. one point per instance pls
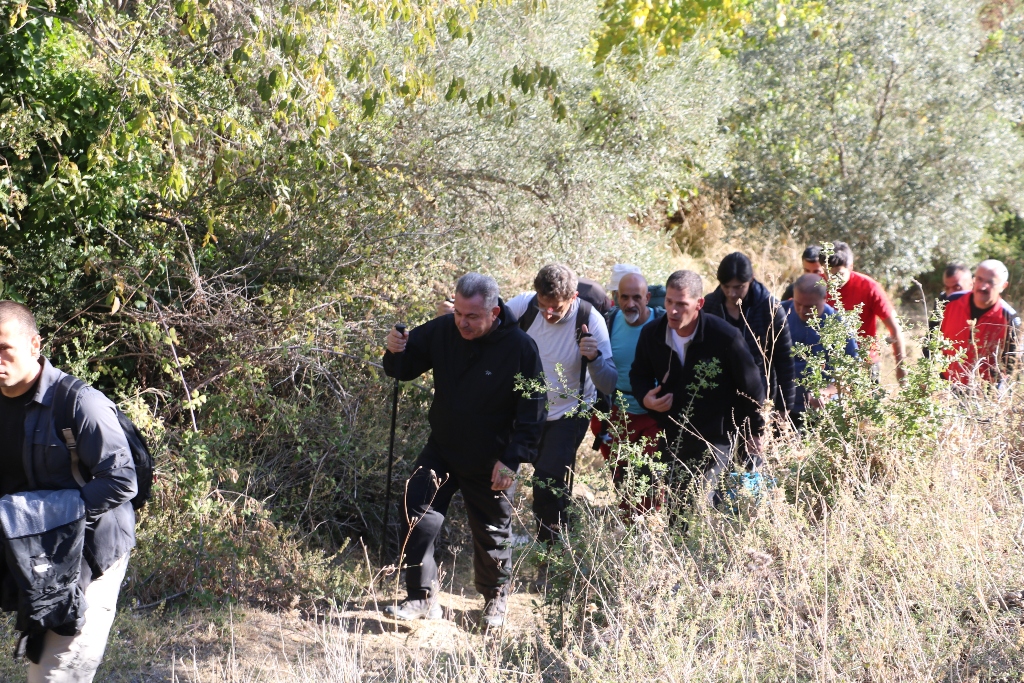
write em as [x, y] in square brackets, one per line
[573, 343]
[37, 425]
[746, 304]
[809, 292]
[634, 424]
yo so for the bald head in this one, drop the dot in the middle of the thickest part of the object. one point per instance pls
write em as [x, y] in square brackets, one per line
[810, 284]
[990, 279]
[997, 268]
[632, 298]
[633, 281]
[809, 296]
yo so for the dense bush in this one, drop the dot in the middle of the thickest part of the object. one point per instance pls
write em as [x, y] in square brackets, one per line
[217, 209]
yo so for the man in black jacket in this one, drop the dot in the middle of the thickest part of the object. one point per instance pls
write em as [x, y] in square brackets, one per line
[34, 458]
[481, 429]
[747, 305]
[697, 377]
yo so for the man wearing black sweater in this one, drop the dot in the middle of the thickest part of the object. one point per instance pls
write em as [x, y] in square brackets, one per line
[481, 429]
[747, 305]
[700, 382]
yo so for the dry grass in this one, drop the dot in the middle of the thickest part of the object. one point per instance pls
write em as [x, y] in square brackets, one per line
[909, 567]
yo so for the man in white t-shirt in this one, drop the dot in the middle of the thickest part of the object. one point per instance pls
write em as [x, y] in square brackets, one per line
[549, 315]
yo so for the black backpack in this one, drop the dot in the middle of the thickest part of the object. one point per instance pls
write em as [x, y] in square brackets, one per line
[64, 400]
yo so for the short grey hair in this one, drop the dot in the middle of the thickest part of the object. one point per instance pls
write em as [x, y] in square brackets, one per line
[997, 267]
[687, 282]
[474, 284]
[556, 280]
[810, 283]
[12, 310]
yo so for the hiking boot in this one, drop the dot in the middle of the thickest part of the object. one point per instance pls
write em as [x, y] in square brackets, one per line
[409, 610]
[494, 612]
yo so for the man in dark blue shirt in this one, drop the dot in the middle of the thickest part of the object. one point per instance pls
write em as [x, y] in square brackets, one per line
[808, 302]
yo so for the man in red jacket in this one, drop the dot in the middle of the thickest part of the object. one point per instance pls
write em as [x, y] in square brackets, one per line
[984, 327]
[857, 288]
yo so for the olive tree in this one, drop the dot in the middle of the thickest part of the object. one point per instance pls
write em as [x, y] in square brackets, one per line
[877, 123]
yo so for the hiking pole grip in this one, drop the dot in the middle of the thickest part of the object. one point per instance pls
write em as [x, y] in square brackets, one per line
[391, 459]
[583, 366]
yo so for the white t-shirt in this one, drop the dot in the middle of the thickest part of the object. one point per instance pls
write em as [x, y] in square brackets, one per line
[680, 344]
[557, 345]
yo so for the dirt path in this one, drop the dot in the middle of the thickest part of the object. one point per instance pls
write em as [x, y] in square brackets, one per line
[250, 645]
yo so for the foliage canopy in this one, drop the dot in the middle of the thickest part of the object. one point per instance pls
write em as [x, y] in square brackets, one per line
[216, 208]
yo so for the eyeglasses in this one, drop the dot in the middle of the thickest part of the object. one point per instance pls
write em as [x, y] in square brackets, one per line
[554, 314]
[551, 314]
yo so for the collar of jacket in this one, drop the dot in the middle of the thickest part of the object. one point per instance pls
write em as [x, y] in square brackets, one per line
[508, 323]
[756, 296]
[698, 332]
[48, 379]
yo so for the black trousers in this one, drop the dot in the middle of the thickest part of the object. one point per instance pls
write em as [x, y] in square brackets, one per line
[430, 490]
[556, 460]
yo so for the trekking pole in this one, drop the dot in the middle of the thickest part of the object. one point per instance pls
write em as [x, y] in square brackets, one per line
[391, 459]
[583, 392]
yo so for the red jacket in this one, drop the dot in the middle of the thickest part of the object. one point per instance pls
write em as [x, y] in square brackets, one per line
[990, 343]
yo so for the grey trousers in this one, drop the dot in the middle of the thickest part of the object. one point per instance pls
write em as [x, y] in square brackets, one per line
[74, 659]
[700, 466]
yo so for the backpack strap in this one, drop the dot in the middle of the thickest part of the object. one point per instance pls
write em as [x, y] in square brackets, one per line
[532, 309]
[582, 318]
[609, 320]
[65, 398]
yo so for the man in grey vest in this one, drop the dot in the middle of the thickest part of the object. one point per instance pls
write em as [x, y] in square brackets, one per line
[34, 458]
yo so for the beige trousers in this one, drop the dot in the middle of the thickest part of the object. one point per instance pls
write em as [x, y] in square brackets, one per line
[74, 659]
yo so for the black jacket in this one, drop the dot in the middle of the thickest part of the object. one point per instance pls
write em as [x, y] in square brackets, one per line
[43, 539]
[763, 316]
[477, 416]
[714, 412]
